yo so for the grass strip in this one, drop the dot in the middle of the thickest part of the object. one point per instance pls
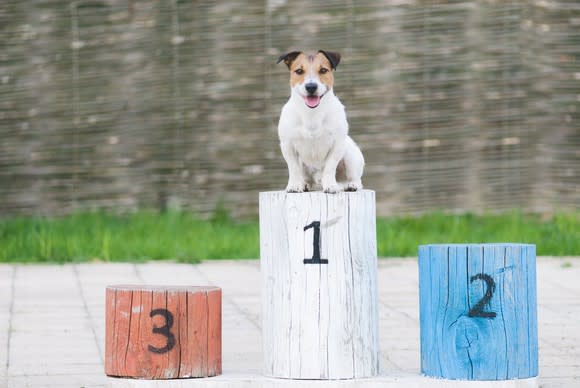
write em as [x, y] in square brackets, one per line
[182, 236]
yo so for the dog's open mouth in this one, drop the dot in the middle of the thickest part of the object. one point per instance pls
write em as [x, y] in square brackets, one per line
[312, 101]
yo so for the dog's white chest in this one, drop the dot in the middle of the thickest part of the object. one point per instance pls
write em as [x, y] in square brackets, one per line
[313, 149]
[312, 127]
[313, 134]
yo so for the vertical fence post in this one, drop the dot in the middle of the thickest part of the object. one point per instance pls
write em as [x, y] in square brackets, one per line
[318, 261]
[478, 311]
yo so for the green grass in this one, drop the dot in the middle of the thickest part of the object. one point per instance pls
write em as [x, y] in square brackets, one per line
[145, 235]
[559, 236]
[148, 235]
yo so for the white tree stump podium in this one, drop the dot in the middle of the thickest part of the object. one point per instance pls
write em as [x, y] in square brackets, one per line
[318, 261]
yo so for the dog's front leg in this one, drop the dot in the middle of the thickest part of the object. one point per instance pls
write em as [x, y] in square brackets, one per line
[296, 182]
[329, 184]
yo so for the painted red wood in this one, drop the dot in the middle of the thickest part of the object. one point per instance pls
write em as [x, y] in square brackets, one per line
[214, 351]
[159, 332]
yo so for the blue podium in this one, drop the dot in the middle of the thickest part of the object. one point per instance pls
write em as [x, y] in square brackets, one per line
[478, 311]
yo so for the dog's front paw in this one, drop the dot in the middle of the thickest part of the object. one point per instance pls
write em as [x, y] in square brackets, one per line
[353, 186]
[332, 189]
[296, 187]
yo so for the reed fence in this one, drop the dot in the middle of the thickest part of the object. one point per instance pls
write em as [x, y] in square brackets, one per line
[124, 104]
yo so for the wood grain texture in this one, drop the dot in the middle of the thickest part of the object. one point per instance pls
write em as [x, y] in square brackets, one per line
[320, 321]
[478, 311]
[156, 332]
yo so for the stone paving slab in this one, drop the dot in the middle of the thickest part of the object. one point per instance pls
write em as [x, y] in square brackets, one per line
[52, 318]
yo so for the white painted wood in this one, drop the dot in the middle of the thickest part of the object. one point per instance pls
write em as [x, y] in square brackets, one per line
[320, 321]
[256, 381]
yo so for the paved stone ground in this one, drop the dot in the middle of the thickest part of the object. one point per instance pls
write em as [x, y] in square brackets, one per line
[52, 318]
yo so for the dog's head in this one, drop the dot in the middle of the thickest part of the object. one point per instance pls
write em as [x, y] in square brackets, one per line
[311, 75]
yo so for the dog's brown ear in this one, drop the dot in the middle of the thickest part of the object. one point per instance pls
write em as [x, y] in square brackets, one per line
[333, 58]
[289, 58]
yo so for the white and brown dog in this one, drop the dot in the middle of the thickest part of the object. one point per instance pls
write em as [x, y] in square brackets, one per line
[313, 129]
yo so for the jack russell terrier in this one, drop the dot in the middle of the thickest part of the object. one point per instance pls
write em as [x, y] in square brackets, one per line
[313, 129]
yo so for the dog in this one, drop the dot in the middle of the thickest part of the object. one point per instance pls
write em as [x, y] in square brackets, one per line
[313, 129]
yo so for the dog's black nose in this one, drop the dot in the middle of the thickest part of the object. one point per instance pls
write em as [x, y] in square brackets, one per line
[311, 87]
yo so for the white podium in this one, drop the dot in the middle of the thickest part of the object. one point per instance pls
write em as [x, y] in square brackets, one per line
[318, 261]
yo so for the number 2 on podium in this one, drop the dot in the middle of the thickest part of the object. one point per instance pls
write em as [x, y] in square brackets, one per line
[315, 244]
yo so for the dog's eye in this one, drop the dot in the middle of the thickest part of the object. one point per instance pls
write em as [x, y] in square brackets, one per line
[323, 70]
[299, 71]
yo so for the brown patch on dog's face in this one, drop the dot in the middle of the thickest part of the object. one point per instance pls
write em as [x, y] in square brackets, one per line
[311, 67]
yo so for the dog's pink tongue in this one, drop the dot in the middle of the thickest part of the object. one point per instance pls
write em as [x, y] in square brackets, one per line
[312, 101]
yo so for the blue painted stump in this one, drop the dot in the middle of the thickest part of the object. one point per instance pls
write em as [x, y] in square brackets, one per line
[478, 311]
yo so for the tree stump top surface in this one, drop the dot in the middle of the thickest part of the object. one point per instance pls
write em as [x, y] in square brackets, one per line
[363, 191]
[149, 287]
[484, 245]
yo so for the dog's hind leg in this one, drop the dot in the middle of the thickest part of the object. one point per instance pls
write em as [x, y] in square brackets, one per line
[353, 165]
[328, 178]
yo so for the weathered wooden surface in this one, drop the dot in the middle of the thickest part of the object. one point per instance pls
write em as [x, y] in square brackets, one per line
[155, 332]
[127, 104]
[478, 311]
[318, 261]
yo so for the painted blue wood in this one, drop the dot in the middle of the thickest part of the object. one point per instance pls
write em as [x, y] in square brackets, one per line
[478, 311]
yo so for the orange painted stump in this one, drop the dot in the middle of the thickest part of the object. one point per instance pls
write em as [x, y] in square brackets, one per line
[159, 332]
